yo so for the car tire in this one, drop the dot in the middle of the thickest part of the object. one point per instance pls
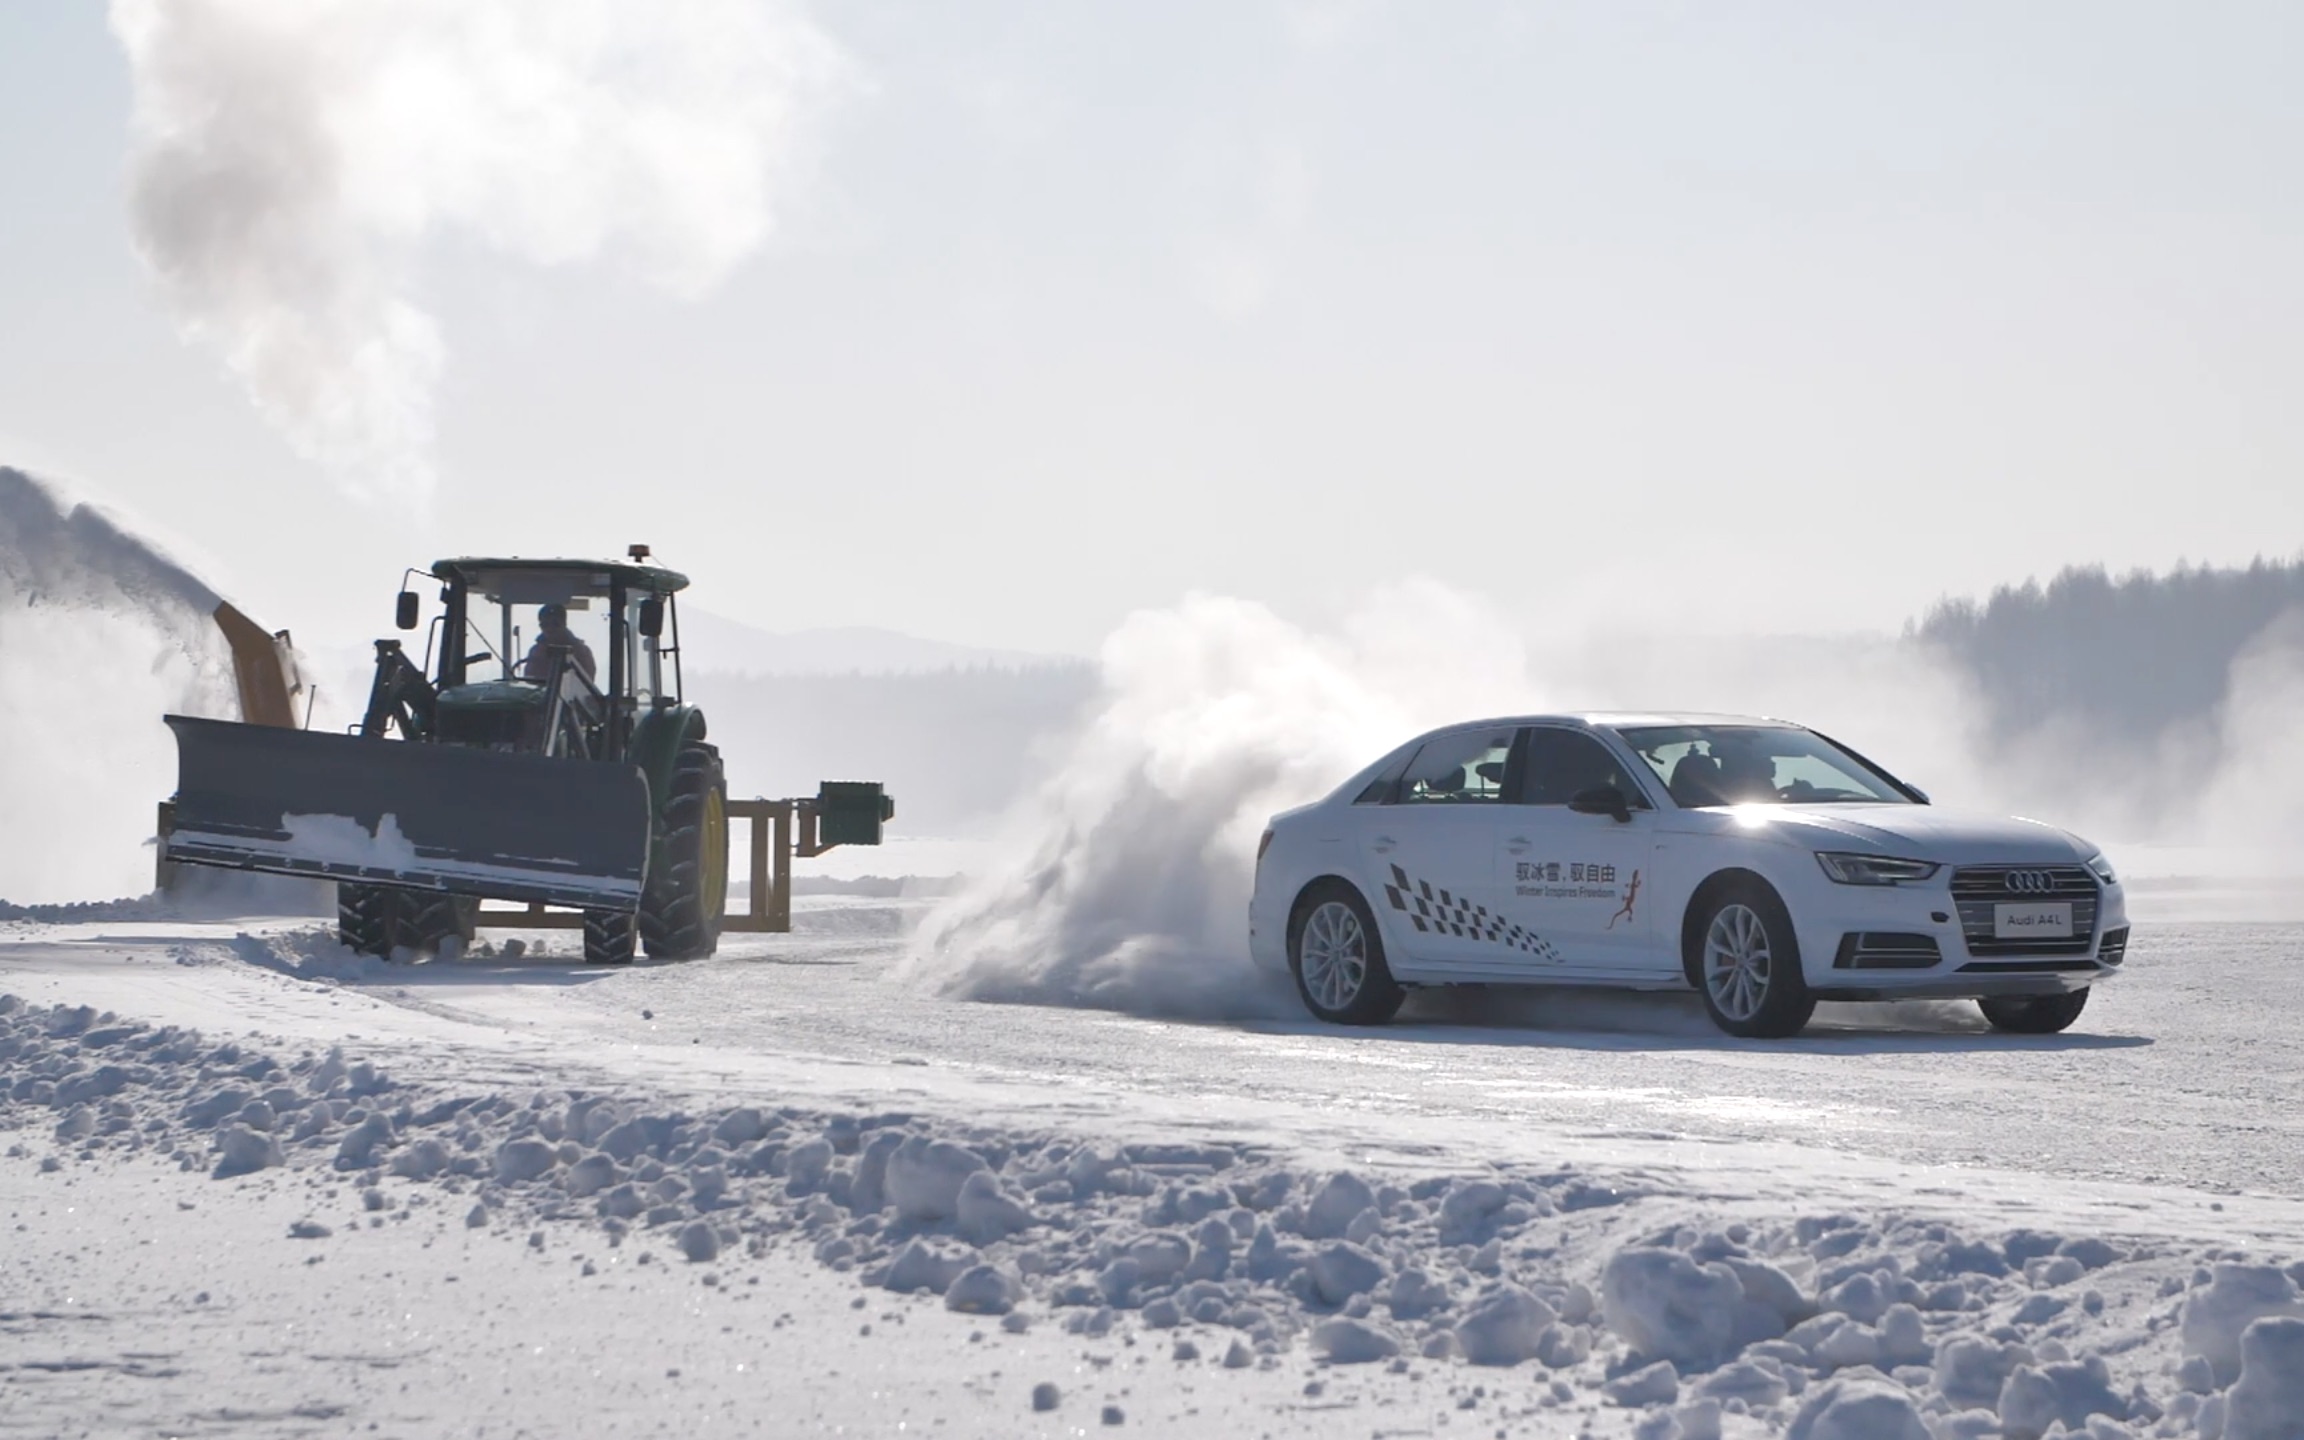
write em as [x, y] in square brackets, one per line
[2034, 1014]
[1748, 965]
[1338, 958]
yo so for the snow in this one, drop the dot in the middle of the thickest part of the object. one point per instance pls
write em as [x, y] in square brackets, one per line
[1124, 877]
[1503, 1327]
[2036, 1398]
[1210, 1239]
[2220, 1312]
[342, 840]
[92, 612]
[1670, 1308]
[1853, 1408]
[2268, 1401]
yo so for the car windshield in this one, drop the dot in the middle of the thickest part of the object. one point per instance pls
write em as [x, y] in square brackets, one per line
[1759, 765]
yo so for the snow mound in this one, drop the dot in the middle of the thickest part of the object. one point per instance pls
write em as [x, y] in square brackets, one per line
[1670, 1308]
[2220, 1312]
[2035, 1399]
[1504, 1327]
[2267, 1403]
[1637, 1308]
[1866, 1408]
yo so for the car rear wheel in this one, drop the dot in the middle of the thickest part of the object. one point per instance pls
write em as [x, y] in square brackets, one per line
[1749, 965]
[2034, 1014]
[1338, 958]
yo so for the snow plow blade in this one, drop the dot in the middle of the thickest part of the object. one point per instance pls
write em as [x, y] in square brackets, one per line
[427, 817]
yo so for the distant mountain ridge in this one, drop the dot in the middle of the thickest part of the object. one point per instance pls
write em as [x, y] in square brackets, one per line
[715, 644]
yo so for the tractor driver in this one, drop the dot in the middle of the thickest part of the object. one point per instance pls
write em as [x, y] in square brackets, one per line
[553, 635]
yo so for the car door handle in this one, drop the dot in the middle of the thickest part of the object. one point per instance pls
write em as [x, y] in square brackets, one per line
[1382, 844]
[1517, 846]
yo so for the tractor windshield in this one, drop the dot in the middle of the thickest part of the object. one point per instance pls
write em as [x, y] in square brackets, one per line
[518, 640]
[520, 625]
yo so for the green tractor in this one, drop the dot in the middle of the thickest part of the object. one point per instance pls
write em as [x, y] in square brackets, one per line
[543, 755]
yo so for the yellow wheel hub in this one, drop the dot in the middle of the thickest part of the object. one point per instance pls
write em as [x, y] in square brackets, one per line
[714, 860]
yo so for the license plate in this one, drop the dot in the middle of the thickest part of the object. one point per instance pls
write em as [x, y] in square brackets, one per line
[2043, 921]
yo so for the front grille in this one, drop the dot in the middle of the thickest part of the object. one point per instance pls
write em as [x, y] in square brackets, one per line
[1978, 888]
[2115, 946]
[1883, 950]
[2025, 967]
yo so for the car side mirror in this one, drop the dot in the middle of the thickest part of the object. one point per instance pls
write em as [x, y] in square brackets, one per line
[409, 610]
[652, 616]
[1602, 800]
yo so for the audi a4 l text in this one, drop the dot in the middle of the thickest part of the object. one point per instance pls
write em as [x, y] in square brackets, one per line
[1763, 864]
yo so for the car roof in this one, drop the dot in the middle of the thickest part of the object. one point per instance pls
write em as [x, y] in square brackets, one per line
[652, 578]
[1625, 720]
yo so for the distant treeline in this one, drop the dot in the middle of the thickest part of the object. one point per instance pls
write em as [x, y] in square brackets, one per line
[953, 746]
[2129, 658]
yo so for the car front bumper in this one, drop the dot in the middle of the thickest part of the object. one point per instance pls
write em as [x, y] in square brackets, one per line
[1909, 943]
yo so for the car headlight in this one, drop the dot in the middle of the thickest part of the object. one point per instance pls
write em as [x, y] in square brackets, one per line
[1850, 869]
[2102, 868]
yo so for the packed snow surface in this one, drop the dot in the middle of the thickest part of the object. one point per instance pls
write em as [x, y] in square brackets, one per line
[271, 1188]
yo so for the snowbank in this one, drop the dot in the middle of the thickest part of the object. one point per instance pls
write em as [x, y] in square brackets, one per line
[1606, 1302]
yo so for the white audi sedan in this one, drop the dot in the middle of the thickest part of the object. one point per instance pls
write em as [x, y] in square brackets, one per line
[1762, 864]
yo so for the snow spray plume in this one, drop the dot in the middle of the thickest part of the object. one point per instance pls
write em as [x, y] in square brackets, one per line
[1129, 874]
[2256, 799]
[290, 156]
[100, 635]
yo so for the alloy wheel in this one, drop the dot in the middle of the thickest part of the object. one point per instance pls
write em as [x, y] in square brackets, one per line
[1333, 955]
[1738, 964]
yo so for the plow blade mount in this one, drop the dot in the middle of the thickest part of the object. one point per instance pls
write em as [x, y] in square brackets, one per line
[390, 812]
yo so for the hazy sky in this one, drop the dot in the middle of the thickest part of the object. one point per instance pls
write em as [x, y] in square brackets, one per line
[1702, 316]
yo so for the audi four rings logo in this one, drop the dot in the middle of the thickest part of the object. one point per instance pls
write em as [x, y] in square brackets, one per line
[2030, 882]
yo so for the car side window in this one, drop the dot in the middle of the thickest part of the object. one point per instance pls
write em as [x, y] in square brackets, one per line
[1563, 764]
[1379, 791]
[1466, 767]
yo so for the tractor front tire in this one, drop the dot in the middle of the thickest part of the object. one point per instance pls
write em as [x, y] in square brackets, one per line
[681, 912]
[607, 937]
[366, 917]
[439, 925]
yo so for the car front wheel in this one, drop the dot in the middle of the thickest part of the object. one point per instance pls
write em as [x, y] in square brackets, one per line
[1338, 958]
[2034, 1015]
[1749, 964]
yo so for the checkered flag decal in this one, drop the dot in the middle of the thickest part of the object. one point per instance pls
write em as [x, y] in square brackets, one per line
[1436, 911]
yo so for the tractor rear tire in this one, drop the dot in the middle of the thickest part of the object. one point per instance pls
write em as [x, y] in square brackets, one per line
[607, 937]
[426, 923]
[681, 912]
[366, 917]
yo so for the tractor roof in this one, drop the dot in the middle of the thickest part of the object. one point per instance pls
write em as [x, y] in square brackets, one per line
[587, 576]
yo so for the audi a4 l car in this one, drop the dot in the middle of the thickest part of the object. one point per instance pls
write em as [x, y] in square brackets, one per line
[1763, 864]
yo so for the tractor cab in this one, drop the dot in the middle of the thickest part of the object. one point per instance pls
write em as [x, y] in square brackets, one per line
[563, 658]
[552, 657]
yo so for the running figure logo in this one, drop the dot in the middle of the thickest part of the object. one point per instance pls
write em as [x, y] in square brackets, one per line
[1631, 900]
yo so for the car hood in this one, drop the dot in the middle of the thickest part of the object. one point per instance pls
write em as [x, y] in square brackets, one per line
[1921, 832]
